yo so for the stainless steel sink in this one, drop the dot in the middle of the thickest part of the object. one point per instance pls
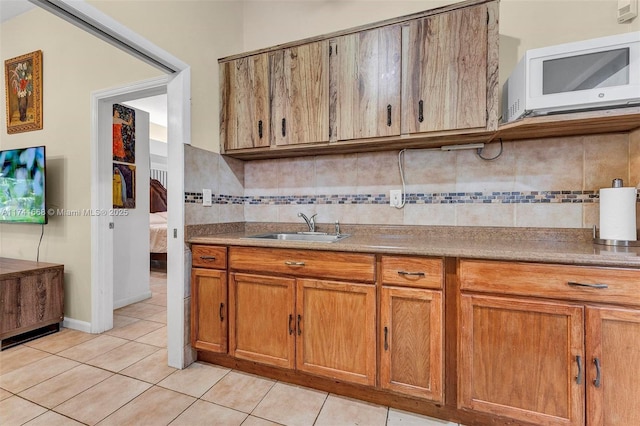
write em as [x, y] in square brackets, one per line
[320, 237]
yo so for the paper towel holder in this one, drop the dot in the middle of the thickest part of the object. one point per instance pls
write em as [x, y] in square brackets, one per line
[619, 243]
[615, 183]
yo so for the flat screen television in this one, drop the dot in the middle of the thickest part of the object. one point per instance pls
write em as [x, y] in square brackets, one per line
[22, 185]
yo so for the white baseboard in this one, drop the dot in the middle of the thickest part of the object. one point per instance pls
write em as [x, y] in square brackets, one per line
[129, 300]
[75, 324]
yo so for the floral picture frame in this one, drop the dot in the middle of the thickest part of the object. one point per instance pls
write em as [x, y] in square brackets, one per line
[23, 91]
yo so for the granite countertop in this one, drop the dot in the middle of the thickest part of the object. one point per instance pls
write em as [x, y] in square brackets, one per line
[516, 244]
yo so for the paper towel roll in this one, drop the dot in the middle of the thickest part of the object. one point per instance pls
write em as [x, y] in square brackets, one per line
[618, 214]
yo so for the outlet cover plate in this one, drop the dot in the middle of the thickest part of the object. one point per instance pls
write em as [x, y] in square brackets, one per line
[395, 198]
[206, 198]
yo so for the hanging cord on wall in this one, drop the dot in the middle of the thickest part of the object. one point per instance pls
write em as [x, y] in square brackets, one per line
[401, 167]
[479, 153]
[39, 242]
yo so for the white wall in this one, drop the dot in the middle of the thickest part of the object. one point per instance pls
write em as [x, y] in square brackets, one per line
[131, 231]
[198, 33]
[75, 63]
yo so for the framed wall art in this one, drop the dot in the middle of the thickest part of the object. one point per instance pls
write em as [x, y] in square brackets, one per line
[124, 134]
[124, 186]
[23, 88]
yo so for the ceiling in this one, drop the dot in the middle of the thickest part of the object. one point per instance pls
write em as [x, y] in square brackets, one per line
[12, 8]
[156, 106]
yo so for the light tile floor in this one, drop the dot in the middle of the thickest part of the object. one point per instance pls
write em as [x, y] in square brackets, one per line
[121, 377]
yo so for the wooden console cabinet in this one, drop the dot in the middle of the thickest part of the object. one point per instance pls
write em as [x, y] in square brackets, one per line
[31, 296]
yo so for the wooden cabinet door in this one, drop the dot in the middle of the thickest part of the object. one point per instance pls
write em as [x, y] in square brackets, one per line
[10, 318]
[209, 309]
[445, 81]
[411, 344]
[336, 330]
[31, 300]
[300, 87]
[244, 102]
[368, 83]
[522, 359]
[262, 326]
[613, 388]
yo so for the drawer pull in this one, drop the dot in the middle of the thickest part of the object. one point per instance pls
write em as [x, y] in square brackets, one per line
[596, 381]
[416, 274]
[208, 257]
[587, 285]
[290, 324]
[579, 376]
[386, 342]
[299, 329]
[221, 312]
[293, 263]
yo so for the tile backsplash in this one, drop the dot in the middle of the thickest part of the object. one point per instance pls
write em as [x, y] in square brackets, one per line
[550, 183]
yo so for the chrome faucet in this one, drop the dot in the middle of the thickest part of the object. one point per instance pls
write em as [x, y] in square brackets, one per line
[310, 221]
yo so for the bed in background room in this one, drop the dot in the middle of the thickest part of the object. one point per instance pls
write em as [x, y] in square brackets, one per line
[157, 221]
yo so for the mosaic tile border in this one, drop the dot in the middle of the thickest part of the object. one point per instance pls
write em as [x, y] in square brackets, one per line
[508, 197]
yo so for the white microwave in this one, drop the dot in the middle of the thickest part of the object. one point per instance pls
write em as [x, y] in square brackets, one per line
[590, 74]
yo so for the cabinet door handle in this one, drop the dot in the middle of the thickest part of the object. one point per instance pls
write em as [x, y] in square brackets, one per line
[389, 115]
[421, 111]
[579, 376]
[293, 263]
[208, 257]
[260, 129]
[299, 329]
[284, 127]
[596, 381]
[575, 284]
[221, 312]
[418, 274]
[386, 342]
[290, 324]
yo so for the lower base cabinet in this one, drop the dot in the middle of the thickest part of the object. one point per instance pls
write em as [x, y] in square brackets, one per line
[411, 347]
[533, 344]
[520, 359]
[612, 366]
[560, 345]
[336, 325]
[209, 309]
[326, 328]
[262, 325]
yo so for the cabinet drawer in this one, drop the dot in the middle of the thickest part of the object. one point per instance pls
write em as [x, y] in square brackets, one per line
[584, 283]
[412, 271]
[308, 263]
[209, 256]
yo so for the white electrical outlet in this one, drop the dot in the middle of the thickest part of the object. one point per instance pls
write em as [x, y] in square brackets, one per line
[206, 198]
[395, 198]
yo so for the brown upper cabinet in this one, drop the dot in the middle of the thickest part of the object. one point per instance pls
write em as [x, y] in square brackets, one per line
[411, 81]
[244, 107]
[300, 90]
[367, 84]
[445, 87]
